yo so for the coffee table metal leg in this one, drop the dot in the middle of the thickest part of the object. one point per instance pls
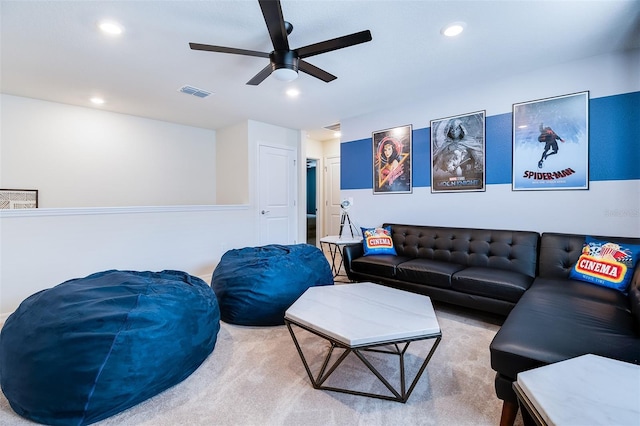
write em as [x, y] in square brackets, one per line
[400, 396]
[332, 254]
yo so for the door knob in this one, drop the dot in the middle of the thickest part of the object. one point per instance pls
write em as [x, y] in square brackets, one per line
[264, 211]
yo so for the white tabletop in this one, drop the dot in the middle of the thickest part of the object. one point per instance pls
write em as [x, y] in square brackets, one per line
[587, 390]
[365, 313]
[334, 239]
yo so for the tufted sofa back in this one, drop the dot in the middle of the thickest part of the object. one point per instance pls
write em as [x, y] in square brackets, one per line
[559, 252]
[508, 250]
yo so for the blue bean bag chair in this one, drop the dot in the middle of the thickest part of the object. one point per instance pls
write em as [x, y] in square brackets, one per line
[256, 285]
[92, 347]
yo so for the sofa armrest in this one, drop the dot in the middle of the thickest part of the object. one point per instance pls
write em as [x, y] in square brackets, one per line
[349, 253]
[634, 298]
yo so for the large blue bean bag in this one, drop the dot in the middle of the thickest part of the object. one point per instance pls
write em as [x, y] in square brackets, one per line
[256, 285]
[92, 347]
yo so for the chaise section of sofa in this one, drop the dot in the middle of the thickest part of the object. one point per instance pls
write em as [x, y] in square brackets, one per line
[483, 269]
[559, 318]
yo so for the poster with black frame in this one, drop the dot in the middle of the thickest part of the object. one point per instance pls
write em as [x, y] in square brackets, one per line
[392, 160]
[551, 143]
[458, 153]
[18, 199]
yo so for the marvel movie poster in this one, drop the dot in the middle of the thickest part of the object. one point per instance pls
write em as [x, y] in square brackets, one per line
[392, 160]
[551, 143]
[457, 153]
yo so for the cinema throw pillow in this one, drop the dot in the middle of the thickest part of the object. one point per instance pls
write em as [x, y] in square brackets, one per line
[377, 241]
[606, 263]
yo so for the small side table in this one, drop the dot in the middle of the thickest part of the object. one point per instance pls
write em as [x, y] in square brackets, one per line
[586, 390]
[334, 244]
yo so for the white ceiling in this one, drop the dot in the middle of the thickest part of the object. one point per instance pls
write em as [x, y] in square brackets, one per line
[52, 50]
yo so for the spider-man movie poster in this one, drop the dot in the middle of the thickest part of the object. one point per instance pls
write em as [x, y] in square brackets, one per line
[457, 153]
[551, 143]
[392, 160]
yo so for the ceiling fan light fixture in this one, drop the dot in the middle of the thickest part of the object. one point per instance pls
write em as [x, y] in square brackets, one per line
[284, 65]
[285, 74]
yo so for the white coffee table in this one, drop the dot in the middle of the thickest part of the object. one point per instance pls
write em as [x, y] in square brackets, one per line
[360, 318]
[334, 244]
[586, 390]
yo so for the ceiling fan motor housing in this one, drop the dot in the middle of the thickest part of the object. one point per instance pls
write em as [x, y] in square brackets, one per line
[284, 59]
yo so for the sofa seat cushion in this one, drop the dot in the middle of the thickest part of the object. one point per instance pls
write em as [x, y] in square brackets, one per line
[557, 319]
[575, 288]
[426, 271]
[383, 265]
[494, 283]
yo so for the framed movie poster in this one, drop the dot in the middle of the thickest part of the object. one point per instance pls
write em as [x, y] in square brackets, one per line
[551, 143]
[392, 160]
[18, 198]
[458, 153]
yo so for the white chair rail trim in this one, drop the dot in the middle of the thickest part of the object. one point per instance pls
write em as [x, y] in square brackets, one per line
[71, 211]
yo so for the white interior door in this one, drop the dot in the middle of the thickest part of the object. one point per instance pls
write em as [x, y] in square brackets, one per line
[277, 176]
[332, 196]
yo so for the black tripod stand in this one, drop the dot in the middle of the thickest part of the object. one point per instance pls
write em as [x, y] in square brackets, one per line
[344, 218]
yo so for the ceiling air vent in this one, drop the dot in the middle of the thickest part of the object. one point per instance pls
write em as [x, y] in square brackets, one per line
[190, 90]
[333, 127]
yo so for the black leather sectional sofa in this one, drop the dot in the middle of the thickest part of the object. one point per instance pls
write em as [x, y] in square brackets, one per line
[521, 274]
[478, 268]
[559, 318]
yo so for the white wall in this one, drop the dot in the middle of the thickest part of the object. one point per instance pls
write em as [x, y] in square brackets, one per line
[610, 208]
[331, 148]
[607, 208]
[84, 157]
[41, 248]
[232, 164]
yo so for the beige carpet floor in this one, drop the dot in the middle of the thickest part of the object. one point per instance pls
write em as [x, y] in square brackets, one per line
[255, 377]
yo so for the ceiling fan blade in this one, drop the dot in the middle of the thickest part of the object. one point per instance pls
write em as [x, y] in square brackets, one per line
[272, 13]
[334, 44]
[259, 78]
[315, 71]
[210, 48]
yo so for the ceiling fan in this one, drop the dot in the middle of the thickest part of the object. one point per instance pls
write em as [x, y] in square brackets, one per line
[284, 62]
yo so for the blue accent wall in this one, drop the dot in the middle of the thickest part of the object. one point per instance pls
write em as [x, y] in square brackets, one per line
[614, 147]
[614, 137]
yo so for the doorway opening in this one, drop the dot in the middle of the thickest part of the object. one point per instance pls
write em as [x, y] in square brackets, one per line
[312, 201]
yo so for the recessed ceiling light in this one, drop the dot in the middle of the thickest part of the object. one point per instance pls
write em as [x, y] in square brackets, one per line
[337, 134]
[453, 29]
[97, 101]
[110, 27]
[292, 93]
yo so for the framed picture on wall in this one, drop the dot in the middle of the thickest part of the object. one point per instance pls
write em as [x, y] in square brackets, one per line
[551, 143]
[392, 160]
[18, 199]
[458, 153]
